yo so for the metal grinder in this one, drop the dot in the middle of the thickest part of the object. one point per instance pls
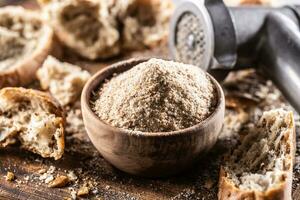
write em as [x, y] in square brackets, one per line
[220, 39]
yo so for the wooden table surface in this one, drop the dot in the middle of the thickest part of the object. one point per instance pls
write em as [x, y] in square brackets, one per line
[247, 95]
[244, 94]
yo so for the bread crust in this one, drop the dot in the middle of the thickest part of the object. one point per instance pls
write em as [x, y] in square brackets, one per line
[48, 102]
[23, 72]
[228, 190]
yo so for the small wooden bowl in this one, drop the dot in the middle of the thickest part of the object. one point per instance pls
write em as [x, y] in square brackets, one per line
[149, 154]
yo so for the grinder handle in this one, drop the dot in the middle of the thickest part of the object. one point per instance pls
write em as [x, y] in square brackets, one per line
[279, 55]
[248, 23]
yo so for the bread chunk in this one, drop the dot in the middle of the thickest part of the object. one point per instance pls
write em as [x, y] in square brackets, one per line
[262, 166]
[33, 118]
[85, 26]
[25, 42]
[64, 81]
[146, 23]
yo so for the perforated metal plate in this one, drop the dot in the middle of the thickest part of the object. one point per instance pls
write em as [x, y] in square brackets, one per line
[191, 34]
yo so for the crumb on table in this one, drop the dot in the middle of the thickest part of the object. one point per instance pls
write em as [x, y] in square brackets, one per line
[10, 176]
[83, 191]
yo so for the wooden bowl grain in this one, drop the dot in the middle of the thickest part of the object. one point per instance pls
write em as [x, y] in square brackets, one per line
[149, 154]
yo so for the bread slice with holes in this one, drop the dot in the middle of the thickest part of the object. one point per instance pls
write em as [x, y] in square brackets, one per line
[25, 42]
[261, 167]
[33, 118]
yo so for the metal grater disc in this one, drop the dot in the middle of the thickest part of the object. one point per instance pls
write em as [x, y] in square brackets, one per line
[191, 37]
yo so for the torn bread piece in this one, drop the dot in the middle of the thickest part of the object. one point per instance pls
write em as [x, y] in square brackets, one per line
[262, 166]
[25, 43]
[85, 26]
[64, 81]
[99, 29]
[145, 23]
[34, 118]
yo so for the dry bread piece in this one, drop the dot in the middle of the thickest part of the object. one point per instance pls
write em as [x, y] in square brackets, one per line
[84, 26]
[33, 118]
[243, 2]
[25, 42]
[145, 22]
[64, 81]
[262, 166]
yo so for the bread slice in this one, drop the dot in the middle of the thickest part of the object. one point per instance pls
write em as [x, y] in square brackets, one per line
[85, 26]
[25, 43]
[33, 118]
[262, 166]
[64, 81]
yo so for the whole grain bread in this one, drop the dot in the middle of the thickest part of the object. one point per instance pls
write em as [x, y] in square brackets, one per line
[34, 118]
[25, 43]
[261, 167]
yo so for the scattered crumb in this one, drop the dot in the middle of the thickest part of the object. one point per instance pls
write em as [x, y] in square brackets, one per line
[41, 171]
[83, 191]
[72, 176]
[59, 181]
[26, 178]
[73, 193]
[51, 169]
[10, 176]
[49, 178]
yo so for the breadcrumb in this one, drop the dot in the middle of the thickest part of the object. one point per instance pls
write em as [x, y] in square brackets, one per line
[156, 96]
[10, 176]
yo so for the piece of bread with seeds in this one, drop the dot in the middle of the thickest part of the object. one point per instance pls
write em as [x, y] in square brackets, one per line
[64, 81]
[34, 118]
[261, 167]
[25, 43]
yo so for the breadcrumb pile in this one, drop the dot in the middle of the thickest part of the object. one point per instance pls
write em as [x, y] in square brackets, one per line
[156, 96]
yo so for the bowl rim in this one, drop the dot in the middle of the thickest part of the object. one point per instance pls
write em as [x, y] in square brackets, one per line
[94, 82]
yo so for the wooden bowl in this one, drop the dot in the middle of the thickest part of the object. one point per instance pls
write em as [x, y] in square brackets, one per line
[149, 154]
